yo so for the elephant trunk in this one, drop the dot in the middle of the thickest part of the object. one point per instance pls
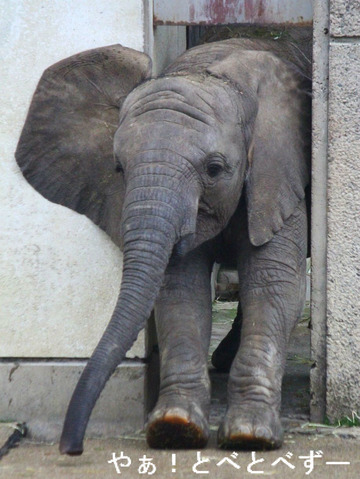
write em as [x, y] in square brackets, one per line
[149, 232]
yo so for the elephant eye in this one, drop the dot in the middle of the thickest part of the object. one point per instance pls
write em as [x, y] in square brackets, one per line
[214, 168]
[118, 166]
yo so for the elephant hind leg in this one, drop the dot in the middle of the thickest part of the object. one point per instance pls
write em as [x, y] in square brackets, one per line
[225, 353]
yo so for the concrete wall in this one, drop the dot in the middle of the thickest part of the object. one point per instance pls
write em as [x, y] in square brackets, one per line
[336, 210]
[343, 255]
[59, 274]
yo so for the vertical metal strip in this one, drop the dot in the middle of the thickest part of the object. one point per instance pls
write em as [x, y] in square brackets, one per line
[148, 21]
[319, 208]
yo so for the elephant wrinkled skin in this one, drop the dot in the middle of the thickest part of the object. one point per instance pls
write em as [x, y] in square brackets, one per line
[209, 162]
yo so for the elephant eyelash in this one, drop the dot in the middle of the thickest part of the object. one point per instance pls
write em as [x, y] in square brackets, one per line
[214, 169]
[215, 165]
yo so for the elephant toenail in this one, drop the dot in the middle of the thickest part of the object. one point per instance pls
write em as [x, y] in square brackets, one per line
[263, 432]
[178, 413]
[245, 429]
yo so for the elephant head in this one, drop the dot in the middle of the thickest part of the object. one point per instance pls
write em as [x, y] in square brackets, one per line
[160, 165]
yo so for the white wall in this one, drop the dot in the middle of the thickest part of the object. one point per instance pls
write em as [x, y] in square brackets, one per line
[343, 213]
[59, 274]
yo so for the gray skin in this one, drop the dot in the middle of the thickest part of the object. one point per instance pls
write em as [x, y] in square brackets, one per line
[211, 163]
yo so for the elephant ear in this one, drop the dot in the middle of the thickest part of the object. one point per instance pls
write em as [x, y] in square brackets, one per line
[66, 147]
[276, 110]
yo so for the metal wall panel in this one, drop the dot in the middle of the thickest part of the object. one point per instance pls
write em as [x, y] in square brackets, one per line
[217, 12]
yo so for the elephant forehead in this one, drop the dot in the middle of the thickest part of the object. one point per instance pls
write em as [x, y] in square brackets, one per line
[199, 98]
[186, 116]
[165, 137]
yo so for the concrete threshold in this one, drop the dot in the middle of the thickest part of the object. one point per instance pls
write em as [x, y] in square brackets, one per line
[38, 393]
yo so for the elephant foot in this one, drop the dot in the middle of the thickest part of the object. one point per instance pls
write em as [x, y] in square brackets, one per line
[177, 427]
[251, 427]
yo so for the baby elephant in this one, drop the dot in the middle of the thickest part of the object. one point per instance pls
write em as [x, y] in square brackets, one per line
[208, 162]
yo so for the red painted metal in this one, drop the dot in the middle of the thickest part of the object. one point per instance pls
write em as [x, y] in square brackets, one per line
[219, 12]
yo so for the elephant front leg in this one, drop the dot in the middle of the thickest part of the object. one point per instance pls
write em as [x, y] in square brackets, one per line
[272, 291]
[183, 323]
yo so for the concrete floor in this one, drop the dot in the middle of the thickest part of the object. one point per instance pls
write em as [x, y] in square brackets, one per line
[42, 461]
[39, 461]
